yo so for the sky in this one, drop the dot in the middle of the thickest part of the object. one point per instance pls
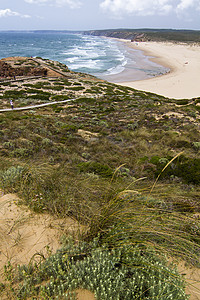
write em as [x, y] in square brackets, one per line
[98, 14]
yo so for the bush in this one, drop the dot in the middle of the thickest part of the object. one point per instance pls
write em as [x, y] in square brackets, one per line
[186, 168]
[14, 94]
[40, 96]
[21, 152]
[129, 272]
[96, 168]
[196, 145]
[10, 178]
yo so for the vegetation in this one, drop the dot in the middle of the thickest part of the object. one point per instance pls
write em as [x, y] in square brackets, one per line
[111, 274]
[187, 36]
[125, 164]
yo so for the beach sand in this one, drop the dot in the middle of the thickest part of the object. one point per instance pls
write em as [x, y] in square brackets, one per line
[183, 60]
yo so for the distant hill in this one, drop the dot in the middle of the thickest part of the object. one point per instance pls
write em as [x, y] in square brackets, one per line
[150, 34]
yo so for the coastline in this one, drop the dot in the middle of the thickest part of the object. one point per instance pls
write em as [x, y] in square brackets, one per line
[183, 61]
[139, 66]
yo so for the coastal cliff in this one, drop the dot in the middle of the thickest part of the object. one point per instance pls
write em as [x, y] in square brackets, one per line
[189, 36]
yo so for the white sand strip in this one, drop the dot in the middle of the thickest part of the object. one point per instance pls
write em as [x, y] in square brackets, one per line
[183, 80]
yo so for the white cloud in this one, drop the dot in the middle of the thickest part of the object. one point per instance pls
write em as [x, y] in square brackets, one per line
[186, 4]
[71, 3]
[9, 13]
[147, 7]
[137, 7]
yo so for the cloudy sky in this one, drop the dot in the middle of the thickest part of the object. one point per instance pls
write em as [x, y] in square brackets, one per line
[98, 14]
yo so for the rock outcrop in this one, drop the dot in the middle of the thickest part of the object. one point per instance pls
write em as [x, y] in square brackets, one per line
[6, 70]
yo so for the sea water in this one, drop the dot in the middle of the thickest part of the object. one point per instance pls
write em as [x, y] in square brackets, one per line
[105, 58]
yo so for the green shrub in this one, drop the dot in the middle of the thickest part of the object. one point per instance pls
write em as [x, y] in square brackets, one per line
[10, 178]
[77, 88]
[129, 272]
[40, 96]
[69, 127]
[32, 91]
[182, 102]
[59, 97]
[196, 145]
[56, 88]
[14, 94]
[96, 168]
[56, 108]
[46, 142]
[186, 168]
[9, 145]
[22, 152]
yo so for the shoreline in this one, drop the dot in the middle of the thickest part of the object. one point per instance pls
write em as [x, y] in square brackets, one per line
[139, 66]
[183, 61]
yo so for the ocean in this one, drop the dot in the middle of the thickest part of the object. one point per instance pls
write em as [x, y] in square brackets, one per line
[105, 58]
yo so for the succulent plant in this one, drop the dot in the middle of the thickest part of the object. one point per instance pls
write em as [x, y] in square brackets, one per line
[127, 272]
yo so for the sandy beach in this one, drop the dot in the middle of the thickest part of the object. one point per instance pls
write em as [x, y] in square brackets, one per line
[183, 60]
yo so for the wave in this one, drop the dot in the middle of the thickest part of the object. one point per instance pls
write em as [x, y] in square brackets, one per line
[94, 55]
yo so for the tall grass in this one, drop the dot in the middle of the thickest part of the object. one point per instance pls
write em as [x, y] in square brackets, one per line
[129, 217]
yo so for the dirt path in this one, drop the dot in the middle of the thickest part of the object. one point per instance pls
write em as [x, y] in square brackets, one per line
[35, 106]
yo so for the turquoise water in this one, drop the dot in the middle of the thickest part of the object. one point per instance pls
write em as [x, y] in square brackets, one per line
[98, 56]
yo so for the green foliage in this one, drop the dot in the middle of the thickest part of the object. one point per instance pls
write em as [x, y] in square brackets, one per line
[134, 131]
[10, 178]
[57, 108]
[77, 88]
[128, 272]
[196, 145]
[21, 152]
[57, 88]
[188, 169]
[38, 85]
[32, 91]
[86, 100]
[96, 168]
[59, 97]
[182, 102]
[14, 94]
[9, 145]
[41, 96]
[70, 127]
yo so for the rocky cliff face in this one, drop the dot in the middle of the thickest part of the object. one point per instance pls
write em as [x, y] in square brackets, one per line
[186, 36]
[6, 70]
[121, 34]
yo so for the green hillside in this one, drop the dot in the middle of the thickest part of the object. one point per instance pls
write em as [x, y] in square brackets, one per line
[150, 34]
[122, 162]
